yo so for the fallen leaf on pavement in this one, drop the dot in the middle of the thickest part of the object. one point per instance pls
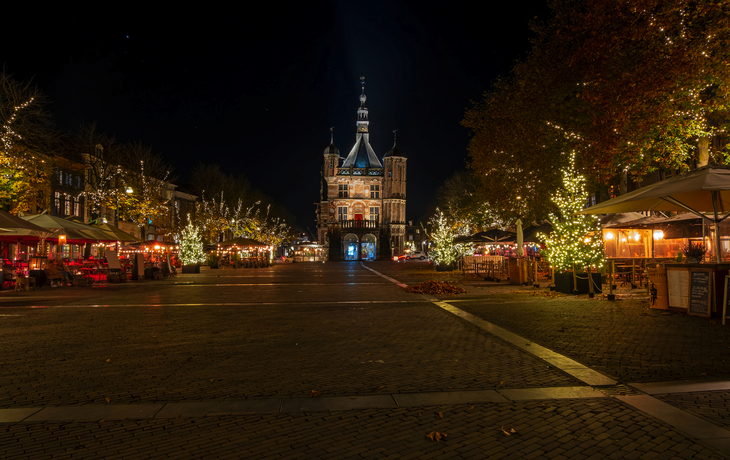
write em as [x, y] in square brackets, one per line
[381, 387]
[436, 436]
[315, 393]
[435, 287]
[441, 414]
[352, 397]
[109, 360]
[472, 407]
[510, 432]
[108, 400]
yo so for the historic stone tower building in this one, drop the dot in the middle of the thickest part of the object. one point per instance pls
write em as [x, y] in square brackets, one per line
[362, 208]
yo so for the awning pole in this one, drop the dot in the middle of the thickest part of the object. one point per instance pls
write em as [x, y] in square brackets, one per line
[718, 248]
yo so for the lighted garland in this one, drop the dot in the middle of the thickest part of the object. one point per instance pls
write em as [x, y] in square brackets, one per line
[576, 238]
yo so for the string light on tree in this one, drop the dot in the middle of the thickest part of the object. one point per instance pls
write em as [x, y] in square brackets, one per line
[442, 234]
[191, 245]
[576, 239]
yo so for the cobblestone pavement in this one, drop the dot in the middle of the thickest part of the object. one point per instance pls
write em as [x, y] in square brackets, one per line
[625, 339]
[339, 329]
[567, 429]
[713, 406]
[147, 353]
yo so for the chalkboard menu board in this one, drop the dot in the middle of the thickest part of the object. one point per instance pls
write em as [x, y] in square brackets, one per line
[700, 292]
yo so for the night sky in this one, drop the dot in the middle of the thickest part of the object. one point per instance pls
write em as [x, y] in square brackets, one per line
[257, 90]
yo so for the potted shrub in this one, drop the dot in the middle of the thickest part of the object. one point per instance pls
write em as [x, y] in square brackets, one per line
[694, 253]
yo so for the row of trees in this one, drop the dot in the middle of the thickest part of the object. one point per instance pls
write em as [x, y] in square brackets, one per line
[127, 178]
[229, 203]
[130, 178]
[610, 91]
[626, 86]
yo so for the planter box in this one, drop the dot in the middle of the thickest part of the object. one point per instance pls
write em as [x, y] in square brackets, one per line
[564, 282]
[193, 268]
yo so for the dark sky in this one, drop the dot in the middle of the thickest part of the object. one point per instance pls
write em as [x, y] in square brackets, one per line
[257, 90]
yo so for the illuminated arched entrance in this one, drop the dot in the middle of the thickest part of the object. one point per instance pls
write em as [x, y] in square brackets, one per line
[349, 243]
[368, 246]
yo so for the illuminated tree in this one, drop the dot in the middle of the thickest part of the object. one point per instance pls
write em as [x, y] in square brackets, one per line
[251, 223]
[576, 239]
[102, 156]
[191, 245]
[26, 135]
[212, 216]
[443, 232]
[631, 85]
[145, 174]
[461, 198]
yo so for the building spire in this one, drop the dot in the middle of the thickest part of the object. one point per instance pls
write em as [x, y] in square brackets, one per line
[363, 97]
[362, 112]
[332, 135]
[395, 131]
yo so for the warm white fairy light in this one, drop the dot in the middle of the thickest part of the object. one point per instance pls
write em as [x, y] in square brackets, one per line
[576, 239]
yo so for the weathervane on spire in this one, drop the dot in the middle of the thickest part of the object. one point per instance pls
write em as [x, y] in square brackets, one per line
[395, 131]
[363, 97]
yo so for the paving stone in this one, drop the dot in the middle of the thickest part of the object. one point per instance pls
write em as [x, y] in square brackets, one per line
[271, 335]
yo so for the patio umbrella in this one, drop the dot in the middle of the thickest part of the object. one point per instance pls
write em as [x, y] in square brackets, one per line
[619, 218]
[14, 226]
[520, 238]
[75, 231]
[494, 235]
[120, 235]
[706, 189]
[17, 230]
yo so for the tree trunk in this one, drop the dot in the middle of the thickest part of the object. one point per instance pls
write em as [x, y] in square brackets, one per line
[704, 151]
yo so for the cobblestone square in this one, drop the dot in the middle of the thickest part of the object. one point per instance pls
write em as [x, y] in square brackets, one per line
[333, 331]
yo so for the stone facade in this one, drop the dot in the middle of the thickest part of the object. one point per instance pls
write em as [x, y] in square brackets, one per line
[361, 213]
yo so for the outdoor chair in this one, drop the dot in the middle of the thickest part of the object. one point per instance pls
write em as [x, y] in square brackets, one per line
[8, 278]
[23, 283]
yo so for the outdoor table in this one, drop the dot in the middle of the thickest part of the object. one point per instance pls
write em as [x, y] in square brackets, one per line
[41, 279]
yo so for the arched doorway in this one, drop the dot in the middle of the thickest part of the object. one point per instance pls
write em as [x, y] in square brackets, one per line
[349, 243]
[367, 246]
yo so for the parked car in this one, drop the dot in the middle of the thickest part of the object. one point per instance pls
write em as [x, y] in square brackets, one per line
[416, 255]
